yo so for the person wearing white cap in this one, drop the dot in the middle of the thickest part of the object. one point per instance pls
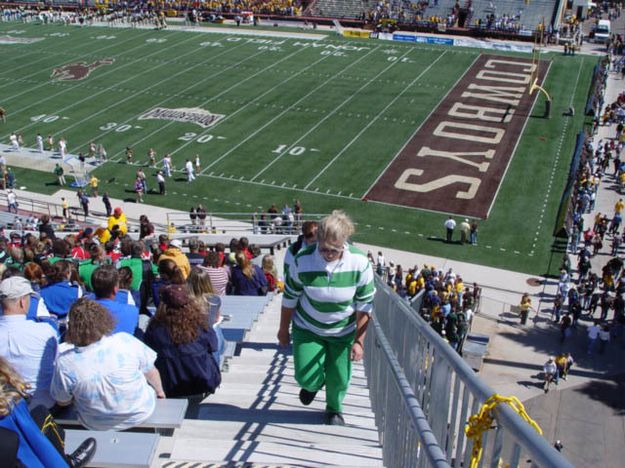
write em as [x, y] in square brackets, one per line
[175, 253]
[29, 346]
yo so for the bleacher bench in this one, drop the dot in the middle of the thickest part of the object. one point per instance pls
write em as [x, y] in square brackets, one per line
[168, 415]
[116, 449]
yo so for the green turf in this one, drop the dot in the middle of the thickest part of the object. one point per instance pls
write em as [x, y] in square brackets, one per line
[317, 121]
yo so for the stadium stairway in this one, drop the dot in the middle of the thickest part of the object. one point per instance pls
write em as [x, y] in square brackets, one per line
[255, 417]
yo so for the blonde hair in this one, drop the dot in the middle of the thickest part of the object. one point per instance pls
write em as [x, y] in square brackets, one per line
[245, 265]
[199, 282]
[336, 227]
[12, 388]
[269, 266]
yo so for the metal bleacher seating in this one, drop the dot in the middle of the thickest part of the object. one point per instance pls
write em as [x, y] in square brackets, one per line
[117, 449]
[341, 8]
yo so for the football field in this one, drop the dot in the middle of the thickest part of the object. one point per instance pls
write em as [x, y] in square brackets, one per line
[276, 119]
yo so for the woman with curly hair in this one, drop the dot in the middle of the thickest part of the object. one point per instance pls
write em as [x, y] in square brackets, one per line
[168, 273]
[110, 378]
[22, 442]
[185, 343]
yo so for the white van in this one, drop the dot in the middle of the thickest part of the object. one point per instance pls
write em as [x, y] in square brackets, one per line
[602, 31]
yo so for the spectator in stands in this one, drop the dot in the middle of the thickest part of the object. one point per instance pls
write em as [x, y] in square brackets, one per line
[169, 273]
[22, 442]
[323, 354]
[143, 271]
[105, 282]
[184, 341]
[86, 269]
[195, 258]
[46, 227]
[247, 279]
[34, 274]
[202, 289]
[271, 274]
[219, 275]
[119, 219]
[30, 347]
[146, 228]
[306, 238]
[175, 253]
[110, 377]
[60, 292]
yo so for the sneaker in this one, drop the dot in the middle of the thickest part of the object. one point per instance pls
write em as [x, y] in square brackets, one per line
[306, 397]
[83, 454]
[335, 419]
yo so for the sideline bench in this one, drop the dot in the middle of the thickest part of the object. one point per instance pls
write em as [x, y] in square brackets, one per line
[168, 415]
[116, 449]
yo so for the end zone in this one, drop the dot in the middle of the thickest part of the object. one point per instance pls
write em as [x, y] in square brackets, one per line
[456, 160]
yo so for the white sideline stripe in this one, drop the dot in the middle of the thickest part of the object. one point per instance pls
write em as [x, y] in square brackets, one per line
[45, 83]
[286, 110]
[372, 121]
[75, 59]
[330, 114]
[419, 128]
[59, 111]
[158, 83]
[240, 109]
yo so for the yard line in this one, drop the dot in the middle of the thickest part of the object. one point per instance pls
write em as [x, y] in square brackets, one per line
[47, 57]
[419, 127]
[330, 114]
[77, 58]
[288, 109]
[371, 122]
[59, 111]
[227, 51]
[240, 109]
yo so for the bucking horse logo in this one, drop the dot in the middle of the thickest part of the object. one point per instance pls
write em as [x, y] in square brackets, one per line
[78, 70]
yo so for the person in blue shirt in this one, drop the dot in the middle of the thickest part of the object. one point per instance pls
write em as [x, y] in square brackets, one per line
[105, 282]
[60, 293]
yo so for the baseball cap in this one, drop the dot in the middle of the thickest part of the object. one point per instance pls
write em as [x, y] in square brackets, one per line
[15, 287]
[117, 210]
[175, 243]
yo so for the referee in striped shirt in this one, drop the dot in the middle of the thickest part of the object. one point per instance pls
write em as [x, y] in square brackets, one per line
[326, 307]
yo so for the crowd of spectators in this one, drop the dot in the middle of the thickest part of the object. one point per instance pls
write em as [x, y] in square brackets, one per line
[80, 311]
[448, 304]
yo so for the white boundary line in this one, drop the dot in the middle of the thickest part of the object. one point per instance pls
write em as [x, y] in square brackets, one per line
[419, 127]
[228, 117]
[103, 90]
[516, 145]
[372, 121]
[330, 114]
[245, 140]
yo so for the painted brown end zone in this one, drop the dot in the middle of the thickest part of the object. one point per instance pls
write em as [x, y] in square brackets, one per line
[455, 162]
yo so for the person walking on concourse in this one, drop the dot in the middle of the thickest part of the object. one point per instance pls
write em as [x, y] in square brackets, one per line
[328, 300]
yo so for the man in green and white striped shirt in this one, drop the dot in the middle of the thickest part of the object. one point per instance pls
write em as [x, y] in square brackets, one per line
[328, 298]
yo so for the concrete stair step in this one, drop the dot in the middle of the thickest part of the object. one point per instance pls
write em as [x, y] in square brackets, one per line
[276, 453]
[241, 377]
[278, 389]
[302, 434]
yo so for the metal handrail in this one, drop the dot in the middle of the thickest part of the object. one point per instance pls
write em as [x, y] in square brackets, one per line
[440, 365]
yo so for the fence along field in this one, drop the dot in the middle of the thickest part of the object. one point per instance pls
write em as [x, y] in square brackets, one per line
[271, 119]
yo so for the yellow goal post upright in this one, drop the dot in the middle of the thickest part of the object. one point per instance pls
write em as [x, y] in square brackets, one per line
[536, 51]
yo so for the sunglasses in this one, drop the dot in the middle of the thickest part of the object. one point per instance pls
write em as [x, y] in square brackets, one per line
[330, 251]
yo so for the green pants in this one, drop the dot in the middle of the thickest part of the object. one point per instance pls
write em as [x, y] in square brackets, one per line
[323, 360]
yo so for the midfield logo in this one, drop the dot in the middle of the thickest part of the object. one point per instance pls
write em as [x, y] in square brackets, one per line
[78, 70]
[195, 115]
